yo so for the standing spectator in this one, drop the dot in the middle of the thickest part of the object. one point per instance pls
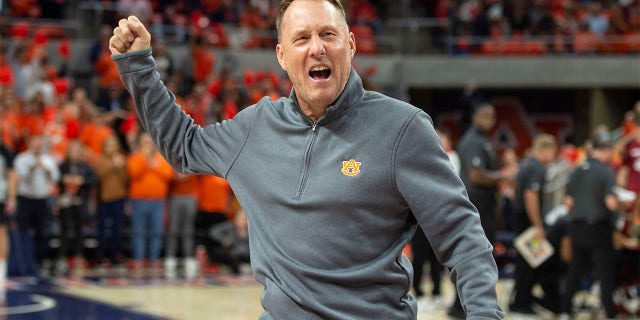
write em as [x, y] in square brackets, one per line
[10, 114]
[214, 204]
[76, 184]
[7, 203]
[183, 207]
[198, 104]
[480, 172]
[108, 81]
[112, 193]
[510, 166]
[23, 69]
[203, 61]
[100, 45]
[37, 173]
[592, 202]
[529, 191]
[628, 175]
[149, 176]
[94, 132]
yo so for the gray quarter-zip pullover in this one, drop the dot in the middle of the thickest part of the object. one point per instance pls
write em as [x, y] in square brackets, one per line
[329, 202]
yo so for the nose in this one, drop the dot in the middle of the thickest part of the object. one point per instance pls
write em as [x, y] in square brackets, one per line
[317, 47]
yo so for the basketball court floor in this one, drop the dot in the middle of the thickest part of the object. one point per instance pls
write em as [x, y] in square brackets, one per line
[212, 296]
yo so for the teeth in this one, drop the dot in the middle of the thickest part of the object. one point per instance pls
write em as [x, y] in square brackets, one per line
[319, 68]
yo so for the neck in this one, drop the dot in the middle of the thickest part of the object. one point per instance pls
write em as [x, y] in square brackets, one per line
[314, 113]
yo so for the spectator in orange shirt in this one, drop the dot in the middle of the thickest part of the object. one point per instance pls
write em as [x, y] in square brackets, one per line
[203, 61]
[93, 133]
[56, 131]
[149, 176]
[32, 120]
[214, 203]
[198, 104]
[10, 116]
[183, 207]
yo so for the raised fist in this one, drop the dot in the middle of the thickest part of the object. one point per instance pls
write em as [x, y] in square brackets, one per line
[130, 35]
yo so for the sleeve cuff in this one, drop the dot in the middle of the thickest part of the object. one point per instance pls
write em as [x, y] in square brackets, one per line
[133, 61]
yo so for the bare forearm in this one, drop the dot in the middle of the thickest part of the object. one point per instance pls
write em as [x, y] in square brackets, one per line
[532, 206]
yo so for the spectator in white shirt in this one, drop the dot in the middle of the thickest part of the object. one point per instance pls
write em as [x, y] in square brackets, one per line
[37, 173]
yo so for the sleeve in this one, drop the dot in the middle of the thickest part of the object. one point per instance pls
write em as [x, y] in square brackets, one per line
[571, 185]
[53, 169]
[63, 171]
[535, 180]
[8, 156]
[90, 177]
[627, 159]
[474, 156]
[426, 181]
[188, 147]
[21, 165]
[610, 182]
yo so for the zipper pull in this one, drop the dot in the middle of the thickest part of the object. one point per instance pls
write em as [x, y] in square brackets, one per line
[315, 125]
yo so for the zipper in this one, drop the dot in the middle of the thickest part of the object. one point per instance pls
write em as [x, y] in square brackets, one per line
[306, 161]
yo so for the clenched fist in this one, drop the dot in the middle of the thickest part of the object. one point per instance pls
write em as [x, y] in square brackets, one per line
[130, 35]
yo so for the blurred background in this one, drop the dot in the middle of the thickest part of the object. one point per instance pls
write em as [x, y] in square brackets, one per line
[562, 64]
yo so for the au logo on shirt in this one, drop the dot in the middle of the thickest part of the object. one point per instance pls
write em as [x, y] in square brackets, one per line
[351, 168]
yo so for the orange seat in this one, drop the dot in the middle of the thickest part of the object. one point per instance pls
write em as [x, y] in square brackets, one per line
[585, 42]
[633, 41]
[535, 47]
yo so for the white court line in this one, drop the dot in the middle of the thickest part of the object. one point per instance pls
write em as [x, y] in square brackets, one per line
[42, 303]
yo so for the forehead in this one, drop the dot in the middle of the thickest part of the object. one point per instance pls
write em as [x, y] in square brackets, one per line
[305, 14]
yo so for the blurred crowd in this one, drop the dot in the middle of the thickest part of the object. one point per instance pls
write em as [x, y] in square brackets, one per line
[519, 27]
[545, 26]
[220, 23]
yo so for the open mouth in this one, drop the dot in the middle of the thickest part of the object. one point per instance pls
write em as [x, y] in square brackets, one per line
[320, 73]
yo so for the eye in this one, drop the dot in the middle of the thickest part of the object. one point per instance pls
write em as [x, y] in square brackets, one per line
[300, 38]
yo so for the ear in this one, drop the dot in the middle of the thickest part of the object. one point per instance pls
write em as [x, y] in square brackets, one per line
[280, 56]
[352, 44]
